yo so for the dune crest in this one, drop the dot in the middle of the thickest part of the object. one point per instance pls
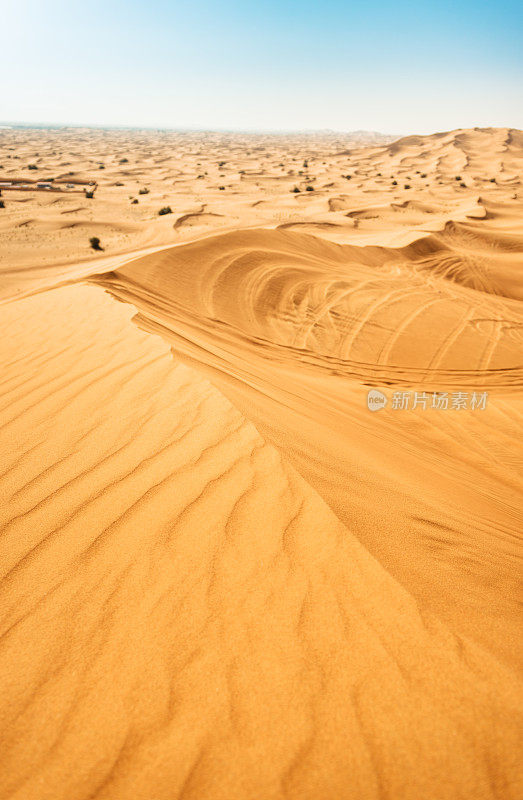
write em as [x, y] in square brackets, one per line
[148, 561]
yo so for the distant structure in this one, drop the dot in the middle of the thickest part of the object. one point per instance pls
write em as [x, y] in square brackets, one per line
[49, 185]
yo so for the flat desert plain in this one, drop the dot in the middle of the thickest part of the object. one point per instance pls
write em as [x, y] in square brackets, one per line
[226, 573]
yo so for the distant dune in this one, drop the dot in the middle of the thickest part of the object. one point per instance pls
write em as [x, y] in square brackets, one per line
[223, 576]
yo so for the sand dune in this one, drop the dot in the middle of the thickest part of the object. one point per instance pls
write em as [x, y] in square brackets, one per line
[222, 575]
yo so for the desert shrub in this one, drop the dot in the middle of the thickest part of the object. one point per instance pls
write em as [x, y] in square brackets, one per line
[378, 175]
[94, 241]
[89, 193]
[394, 183]
[295, 190]
[124, 161]
[119, 183]
[165, 210]
[348, 177]
[464, 185]
[101, 166]
[305, 164]
[2, 204]
[458, 178]
[423, 174]
[32, 166]
[493, 180]
[310, 188]
[134, 202]
[221, 188]
[407, 186]
[221, 163]
[143, 191]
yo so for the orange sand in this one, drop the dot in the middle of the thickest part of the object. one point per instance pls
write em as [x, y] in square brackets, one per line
[223, 577]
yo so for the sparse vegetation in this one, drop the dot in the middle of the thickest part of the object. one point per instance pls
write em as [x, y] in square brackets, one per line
[310, 188]
[464, 185]
[165, 210]
[124, 161]
[493, 180]
[94, 241]
[423, 174]
[32, 166]
[458, 178]
[89, 193]
[134, 202]
[305, 164]
[143, 191]
[2, 204]
[407, 186]
[221, 188]
[295, 190]
[101, 166]
[221, 163]
[394, 183]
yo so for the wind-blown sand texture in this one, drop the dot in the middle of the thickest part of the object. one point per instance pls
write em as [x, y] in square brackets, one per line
[223, 577]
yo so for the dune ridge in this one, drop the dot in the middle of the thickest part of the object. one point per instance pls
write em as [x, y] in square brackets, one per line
[222, 575]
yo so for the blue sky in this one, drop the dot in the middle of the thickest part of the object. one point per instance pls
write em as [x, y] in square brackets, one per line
[398, 67]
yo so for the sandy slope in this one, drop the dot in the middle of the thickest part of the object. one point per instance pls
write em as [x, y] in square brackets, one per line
[252, 587]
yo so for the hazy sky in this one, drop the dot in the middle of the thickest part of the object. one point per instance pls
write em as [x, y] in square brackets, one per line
[393, 66]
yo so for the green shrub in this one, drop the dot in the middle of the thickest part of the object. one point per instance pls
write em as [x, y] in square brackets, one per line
[165, 210]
